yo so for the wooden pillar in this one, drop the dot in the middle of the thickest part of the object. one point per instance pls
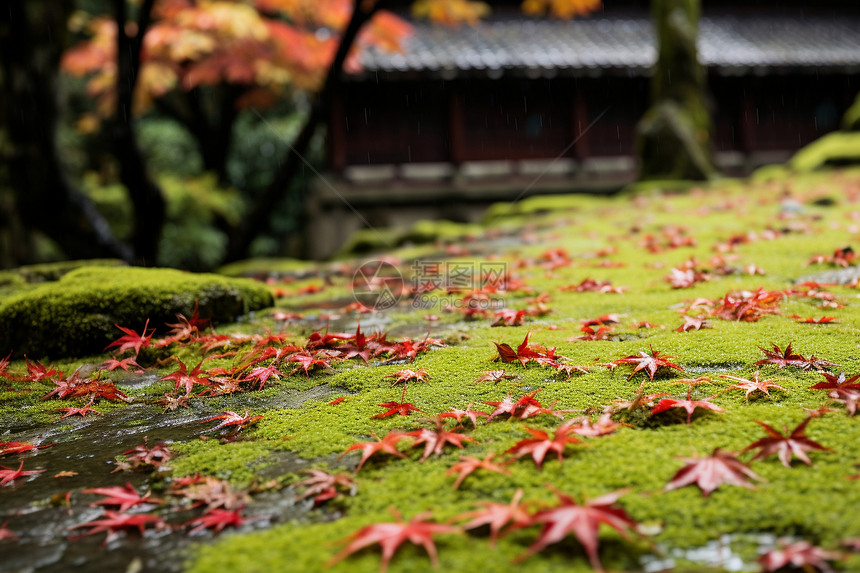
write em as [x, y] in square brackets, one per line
[747, 123]
[580, 122]
[456, 120]
[337, 134]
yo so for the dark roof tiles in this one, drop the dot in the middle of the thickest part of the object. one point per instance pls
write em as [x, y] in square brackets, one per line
[730, 45]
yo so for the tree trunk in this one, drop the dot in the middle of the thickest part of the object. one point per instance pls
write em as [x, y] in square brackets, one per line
[145, 194]
[31, 41]
[674, 136]
[258, 219]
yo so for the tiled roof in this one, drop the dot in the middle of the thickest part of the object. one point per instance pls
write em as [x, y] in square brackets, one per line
[730, 45]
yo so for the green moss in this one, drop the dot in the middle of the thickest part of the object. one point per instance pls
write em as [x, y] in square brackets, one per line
[802, 501]
[237, 461]
[51, 271]
[76, 314]
[838, 148]
[263, 267]
[432, 231]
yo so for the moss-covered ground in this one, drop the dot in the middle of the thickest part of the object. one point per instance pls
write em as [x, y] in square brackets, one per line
[774, 225]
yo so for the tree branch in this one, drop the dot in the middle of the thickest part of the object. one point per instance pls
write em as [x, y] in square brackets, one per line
[258, 220]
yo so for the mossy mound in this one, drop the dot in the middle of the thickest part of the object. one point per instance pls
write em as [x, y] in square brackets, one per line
[366, 241]
[51, 271]
[834, 149]
[75, 315]
[266, 267]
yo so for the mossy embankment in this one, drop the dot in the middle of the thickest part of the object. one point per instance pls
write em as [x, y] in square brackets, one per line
[731, 231]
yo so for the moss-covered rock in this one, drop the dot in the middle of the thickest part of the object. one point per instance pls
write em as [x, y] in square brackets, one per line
[76, 314]
[52, 271]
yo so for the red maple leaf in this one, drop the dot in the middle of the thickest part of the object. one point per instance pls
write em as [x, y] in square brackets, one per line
[113, 522]
[124, 497]
[525, 407]
[402, 408]
[218, 518]
[4, 364]
[798, 555]
[540, 444]
[688, 405]
[82, 412]
[188, 379]
[604, 425]
[602, 333]
[435, 440]
[144, 456]
[388, 444]
[848, 396]
[18, 447]
[712, 471]
[230, 418]
[526, 353]
[324, 486]
[494, 376]
[405, 375]
[509, 317]
[469, 413]
[208, 491]
[469, 464]
[307, 361]
[6, 534]
[753, 385]
[75, 386]
[782, 358]
[648, 362]
[8, 476]
[583, 521]
[262, 374]
[692, 323]
[794, 444]
[36, 372]
[497, 516]
[132, 340]
[813, 320]
[390, 536]
[839, 382]
[125, 363]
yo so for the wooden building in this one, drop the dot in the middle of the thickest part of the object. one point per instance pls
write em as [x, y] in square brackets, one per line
[470, 115]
